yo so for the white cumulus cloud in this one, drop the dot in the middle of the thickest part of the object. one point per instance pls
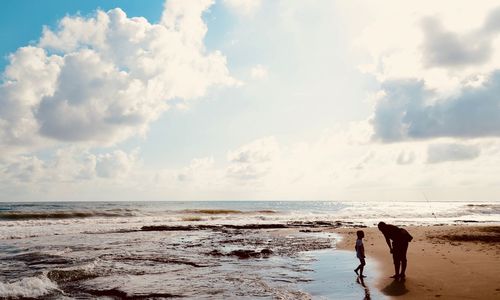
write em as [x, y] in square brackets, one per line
[70, 164]
[437, 64]
[115, 164]
[101, 79]
[405, 111]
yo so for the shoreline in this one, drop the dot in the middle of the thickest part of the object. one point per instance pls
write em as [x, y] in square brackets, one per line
[444, 261]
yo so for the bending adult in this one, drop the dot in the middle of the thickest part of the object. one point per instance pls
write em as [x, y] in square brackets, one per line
[400, 239]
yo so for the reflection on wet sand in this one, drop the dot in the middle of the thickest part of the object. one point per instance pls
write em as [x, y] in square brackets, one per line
[361, 281]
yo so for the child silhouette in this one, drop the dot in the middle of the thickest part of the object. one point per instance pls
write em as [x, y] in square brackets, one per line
[360, 253]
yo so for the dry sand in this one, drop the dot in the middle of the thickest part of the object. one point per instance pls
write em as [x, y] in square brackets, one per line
[444, 262]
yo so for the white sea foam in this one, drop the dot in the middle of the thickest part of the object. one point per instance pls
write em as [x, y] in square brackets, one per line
[29, 287]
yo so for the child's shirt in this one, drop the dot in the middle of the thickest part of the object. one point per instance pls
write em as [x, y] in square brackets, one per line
[360, 249]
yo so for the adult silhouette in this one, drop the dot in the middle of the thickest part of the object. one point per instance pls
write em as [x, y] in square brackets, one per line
[400, 239]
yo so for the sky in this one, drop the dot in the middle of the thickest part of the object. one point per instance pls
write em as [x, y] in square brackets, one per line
[249, 100]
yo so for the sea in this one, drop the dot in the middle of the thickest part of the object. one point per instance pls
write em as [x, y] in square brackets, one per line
[200, 249]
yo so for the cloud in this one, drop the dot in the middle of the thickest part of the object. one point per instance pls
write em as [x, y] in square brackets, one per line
[442, 48]
[426, 41]
[438, 70]
[333, 166]
[69, 164]
[253, 160]
[102, 79]
[243, 7]
[30, 76]
[26, 169]
[410, 111]
[492, 23]
[437, 153]
[197, 170]
[405, 158]
[365, 160]
[259, 72]
[115, 164]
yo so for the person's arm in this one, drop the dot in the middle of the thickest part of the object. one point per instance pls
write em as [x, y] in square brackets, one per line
[409, 236]
[388, 241]
[362, 250]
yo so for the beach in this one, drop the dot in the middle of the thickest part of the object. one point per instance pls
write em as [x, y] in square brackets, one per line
[242, 250]
[444, 262]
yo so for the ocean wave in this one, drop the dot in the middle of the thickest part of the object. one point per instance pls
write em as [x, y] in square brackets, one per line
[41, 258]
[64, 214]
[484, 209]
[213, 211]
[65, 276]
[29, 287]
[226, 211]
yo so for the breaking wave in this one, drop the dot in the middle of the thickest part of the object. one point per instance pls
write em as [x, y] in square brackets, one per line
[226, 211]
[29, 287]
[64, 214]
[22, 215]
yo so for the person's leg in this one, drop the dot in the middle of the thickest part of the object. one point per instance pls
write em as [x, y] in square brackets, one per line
[361, 266]
[396, 256]
[404, 249]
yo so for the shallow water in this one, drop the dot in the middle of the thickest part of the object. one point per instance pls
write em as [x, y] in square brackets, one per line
[191, 265]
[333, 277]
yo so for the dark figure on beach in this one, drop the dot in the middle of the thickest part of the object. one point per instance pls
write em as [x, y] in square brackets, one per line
[400, 239]
[360, 253]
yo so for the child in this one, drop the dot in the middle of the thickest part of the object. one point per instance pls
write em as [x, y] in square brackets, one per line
[360, 253]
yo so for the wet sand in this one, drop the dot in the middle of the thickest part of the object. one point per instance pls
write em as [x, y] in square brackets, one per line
[444, 262]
